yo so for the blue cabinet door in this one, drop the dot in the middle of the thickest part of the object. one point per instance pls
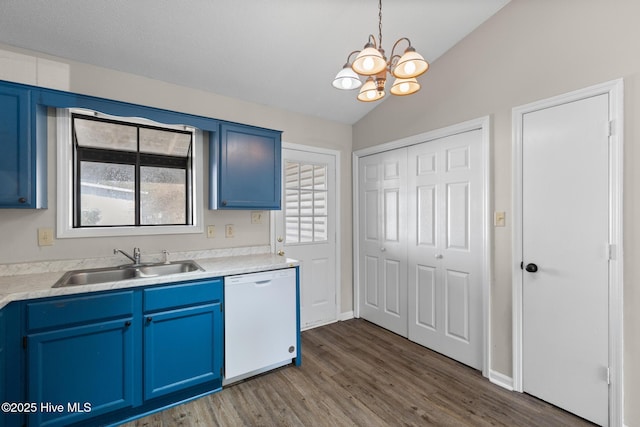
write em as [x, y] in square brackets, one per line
[249, 175]
[12, 387]
[15, 149]
[3, 363]
[81, 372]
[182, 348]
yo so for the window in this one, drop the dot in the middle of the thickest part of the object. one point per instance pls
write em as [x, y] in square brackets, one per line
[305, 202]
[126, 176]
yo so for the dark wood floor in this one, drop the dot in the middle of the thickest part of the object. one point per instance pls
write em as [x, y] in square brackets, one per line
[354, 373]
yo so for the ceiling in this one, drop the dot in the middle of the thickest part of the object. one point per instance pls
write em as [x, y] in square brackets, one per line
[279, 53]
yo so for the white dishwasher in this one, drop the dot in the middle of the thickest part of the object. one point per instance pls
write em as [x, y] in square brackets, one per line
[260, 322]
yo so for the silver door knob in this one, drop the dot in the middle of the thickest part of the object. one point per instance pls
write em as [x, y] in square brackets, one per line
[438, 256]
[281, 252]
[280, 239]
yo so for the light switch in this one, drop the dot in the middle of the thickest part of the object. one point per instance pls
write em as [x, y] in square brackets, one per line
[256, 217]
[211, 231]
[499, 219]
[229, 231]
[45, 236]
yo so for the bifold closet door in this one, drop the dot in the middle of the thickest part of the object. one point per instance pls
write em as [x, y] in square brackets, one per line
[383, 240]
[445, 244]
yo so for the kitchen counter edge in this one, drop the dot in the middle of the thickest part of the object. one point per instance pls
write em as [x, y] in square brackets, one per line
[33, 286]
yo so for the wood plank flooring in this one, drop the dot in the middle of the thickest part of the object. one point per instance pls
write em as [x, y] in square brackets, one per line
[354, 373]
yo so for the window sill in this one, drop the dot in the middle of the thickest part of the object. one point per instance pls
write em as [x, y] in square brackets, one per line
[67, 233]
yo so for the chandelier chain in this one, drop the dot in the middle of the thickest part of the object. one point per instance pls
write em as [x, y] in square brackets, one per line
[380, 24]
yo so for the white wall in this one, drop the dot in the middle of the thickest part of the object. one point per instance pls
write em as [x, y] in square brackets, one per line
[532, 50]
[18, 228]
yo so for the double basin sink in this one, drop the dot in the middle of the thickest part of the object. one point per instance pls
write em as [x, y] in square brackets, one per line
[94, 276]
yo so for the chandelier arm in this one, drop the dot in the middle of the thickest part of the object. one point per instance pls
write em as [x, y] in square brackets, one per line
[372, 40]
[396, 45]
[348, 64]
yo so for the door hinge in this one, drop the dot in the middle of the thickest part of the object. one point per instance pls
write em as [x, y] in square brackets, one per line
[612, 252]
[221, 308]
[612, 128]
[221, 372]
[608, 376]
[24, 342]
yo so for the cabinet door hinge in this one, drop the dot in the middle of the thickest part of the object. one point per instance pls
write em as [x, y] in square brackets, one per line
[24, 342]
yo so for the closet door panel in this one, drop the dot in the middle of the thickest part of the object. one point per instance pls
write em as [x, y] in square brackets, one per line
[383, 239]
[451, 169]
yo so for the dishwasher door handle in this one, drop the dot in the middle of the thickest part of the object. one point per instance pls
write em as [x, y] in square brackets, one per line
[262, 283]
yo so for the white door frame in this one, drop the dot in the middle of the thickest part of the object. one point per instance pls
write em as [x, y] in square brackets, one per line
[614, 89]
[336, 213]
[483, 124]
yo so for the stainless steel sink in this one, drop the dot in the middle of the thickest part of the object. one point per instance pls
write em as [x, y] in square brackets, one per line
[126, 272]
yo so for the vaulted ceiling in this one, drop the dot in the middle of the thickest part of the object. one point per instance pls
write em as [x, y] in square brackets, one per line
[279, 53]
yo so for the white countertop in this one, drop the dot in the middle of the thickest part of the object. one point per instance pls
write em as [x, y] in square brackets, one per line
[39, 285]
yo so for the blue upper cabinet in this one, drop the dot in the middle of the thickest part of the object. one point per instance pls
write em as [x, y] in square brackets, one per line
[22, 154]
[245, 168]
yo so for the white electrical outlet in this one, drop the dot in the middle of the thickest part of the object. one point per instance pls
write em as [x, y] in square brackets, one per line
[45, 236]
[211, 231]
[229, 231]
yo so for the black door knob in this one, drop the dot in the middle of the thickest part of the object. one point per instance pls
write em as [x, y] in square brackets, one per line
[531, 268]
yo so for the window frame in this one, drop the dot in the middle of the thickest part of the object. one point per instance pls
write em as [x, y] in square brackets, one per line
[66, 164]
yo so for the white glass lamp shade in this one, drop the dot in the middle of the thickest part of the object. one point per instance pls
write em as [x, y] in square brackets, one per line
[402, 87]
[370, 92]
[346, 79]
[369, 62]
[410, 65]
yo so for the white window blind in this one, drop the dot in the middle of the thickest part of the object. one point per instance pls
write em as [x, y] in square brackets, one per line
[305, 202]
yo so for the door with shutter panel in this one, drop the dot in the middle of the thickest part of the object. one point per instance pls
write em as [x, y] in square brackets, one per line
[305, 230]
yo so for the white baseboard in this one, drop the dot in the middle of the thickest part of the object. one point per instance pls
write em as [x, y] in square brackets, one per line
[341, 317]
[502, 380]
[347, 315]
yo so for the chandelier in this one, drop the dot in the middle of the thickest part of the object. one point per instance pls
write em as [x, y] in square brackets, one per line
[371, 63]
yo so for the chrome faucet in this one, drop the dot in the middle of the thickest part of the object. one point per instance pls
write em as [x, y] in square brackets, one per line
[136, 255]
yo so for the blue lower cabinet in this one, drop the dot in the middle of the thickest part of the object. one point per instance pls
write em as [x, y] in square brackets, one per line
[181, 349]
[104, 358]
[81, 372]
[81, 356]
[3, 364]
[12, 382]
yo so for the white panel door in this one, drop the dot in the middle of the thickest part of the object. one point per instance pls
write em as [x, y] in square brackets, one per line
[383, 250]
[565, 233]
[445, 246]
[305, 230]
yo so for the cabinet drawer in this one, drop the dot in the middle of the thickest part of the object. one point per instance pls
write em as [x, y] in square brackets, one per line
[182, 295]
[86, 308]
